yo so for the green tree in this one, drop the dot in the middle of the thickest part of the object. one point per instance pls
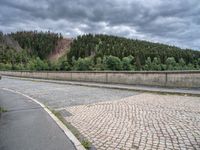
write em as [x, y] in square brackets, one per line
[156, 64]
[181, 64]
[199, 61]
[190, 66]
[40, 44]
[37, 64]
[104, 64]
[31, 65]
[138, 63]
[113, 63]
[18, 66]
[104, 45]
[40, 65]
[73, 62]
[65, 65]
[7, 66]
[54, 65]
[171, 63]
[198, 64]
[83, 64]
[99, 64]
[126, 63]
[148, 64]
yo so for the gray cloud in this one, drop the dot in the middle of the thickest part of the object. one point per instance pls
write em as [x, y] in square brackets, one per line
[175, 22]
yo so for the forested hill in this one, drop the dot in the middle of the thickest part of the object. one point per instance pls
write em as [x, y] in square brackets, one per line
[32, 50]
[39, 44]
[101, 45]
[10, 51]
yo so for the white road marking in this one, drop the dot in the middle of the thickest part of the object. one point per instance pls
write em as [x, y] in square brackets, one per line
[67, 132]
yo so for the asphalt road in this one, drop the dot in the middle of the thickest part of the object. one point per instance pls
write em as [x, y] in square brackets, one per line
[60, 95]
[26, 126]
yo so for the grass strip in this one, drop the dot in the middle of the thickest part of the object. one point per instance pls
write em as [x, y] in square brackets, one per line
[76, 133]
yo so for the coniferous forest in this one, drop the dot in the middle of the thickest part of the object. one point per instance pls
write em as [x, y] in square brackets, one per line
[29, 50]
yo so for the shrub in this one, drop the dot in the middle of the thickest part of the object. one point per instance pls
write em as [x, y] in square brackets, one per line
[37, 64]
[54, 66]
[99, 64]
[156, 64]
[113, 63]
[7, 66]
[18, 67]
[84, 64]
[64, 65]
[171, 63]
[148, 64]
[126, 63]
[86, 144]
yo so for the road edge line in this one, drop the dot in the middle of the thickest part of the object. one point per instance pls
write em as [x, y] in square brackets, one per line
[67, 132]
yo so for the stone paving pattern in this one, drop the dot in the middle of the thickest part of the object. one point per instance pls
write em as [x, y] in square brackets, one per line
[145, 121]
[119, 119]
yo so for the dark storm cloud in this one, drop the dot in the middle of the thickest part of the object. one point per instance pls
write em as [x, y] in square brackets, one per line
[175, 22]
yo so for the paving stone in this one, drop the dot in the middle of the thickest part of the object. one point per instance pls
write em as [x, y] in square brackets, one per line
[145, 121]
[121, 117]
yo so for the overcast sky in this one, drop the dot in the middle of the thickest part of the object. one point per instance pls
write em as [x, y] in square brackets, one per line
[175, 22]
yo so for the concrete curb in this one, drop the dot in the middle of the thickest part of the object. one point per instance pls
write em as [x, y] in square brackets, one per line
[112, 86]
[67, 132]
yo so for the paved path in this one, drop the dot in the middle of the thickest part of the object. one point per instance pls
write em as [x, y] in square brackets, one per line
[139, 88]
[62, 95]
[145, 121]
[119, 119]
[26, 126]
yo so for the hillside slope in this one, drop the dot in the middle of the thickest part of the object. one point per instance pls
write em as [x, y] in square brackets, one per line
[105, 45]
[8, 41]
[39, 44]
[50, 46]
[61, 49]
[10, 51]
[32, 50]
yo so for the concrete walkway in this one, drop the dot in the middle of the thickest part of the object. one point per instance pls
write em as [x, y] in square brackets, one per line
[192, 92]
[26, 126]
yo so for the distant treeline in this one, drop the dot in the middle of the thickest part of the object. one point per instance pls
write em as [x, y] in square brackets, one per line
[107, 63]
[39, 44]
[104, 45]
[92, 52]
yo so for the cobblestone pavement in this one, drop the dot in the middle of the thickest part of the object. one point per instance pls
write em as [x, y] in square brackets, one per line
[116, 119]
[145, 121]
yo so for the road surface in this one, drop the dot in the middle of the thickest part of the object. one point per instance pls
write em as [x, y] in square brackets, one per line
[26, 126]
[119, 119]
[58, 95]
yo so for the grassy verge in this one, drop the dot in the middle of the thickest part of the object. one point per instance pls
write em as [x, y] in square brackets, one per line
[77, 134]
[2, 110]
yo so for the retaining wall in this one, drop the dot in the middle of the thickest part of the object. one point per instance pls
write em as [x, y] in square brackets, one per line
[182, 79]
